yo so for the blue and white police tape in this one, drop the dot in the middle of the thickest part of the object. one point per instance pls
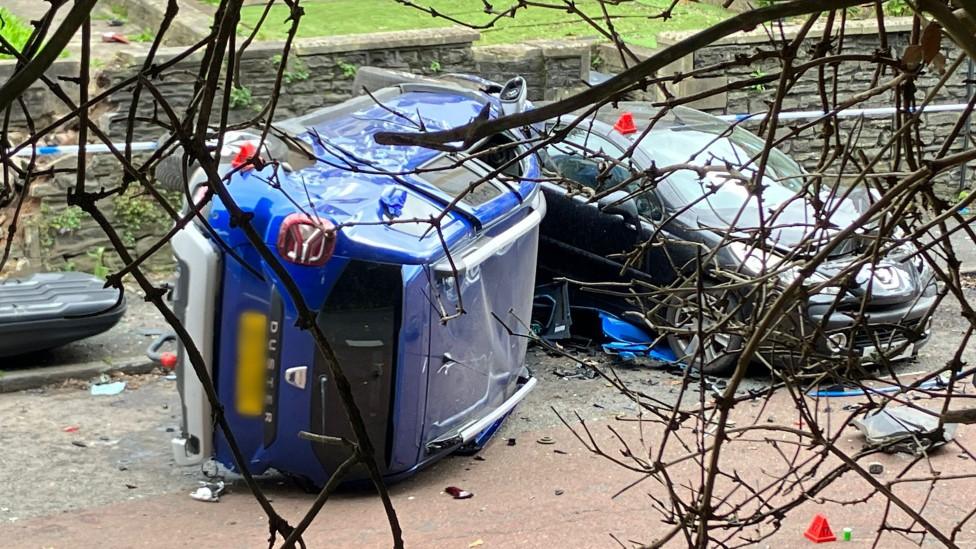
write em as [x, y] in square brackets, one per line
[94, 148]
[142, 146]
[845, 113]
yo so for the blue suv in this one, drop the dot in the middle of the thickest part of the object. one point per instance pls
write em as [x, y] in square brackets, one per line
[350, 223]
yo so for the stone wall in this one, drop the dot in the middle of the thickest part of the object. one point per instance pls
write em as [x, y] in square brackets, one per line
[54, 236]
[321, 72]
[552, 69]
[851, 78]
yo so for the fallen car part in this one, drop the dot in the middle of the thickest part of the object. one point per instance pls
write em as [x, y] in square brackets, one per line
[904, 429]
[154, 351]
[208, 491]
[551, 317]
[617, 336]
[107, 389]
[846, 391]
[458, 493]
[47, 310]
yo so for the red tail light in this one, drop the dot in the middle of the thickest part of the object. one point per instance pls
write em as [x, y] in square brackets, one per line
[244, 154]
[306, 240]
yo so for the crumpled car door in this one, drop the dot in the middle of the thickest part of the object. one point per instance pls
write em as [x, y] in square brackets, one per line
[474, 362]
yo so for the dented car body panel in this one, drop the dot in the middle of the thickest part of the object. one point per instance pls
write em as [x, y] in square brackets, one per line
[425, 386]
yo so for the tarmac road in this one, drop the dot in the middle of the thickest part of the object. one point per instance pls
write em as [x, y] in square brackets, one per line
[112, 483]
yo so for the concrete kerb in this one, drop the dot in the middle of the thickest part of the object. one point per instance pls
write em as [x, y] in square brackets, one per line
[33, 378]
[381, 40]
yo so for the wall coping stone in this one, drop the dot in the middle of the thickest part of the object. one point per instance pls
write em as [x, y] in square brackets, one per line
[759, 35]
[380, 40]
[532, 48]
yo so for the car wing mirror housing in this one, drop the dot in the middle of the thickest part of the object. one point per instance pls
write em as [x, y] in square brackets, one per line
[618, 203]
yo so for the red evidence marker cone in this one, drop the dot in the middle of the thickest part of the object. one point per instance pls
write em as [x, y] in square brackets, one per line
[819, 530]
[625, 124]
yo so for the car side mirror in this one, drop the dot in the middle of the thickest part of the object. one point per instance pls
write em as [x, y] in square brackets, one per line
[618, 203]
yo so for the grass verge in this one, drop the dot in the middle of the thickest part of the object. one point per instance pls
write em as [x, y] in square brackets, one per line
[631, 18]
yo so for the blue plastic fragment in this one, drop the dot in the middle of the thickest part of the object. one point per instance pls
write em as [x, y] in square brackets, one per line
[630, 341]
[108, 389]
[620, 330]
[393, 200]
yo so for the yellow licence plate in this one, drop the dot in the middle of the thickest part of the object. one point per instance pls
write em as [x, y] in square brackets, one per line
[252, 335]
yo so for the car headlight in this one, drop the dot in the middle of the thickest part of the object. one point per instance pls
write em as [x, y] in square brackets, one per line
[908, 251]
[815, 278]
[758, 262]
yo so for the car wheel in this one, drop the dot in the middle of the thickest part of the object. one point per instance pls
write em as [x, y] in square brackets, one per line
[718, 353]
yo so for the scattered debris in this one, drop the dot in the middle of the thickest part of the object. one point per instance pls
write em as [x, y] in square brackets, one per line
[458, 493]
[71, 429]
[476, 543]
[114, 37]
[904, 429]
[131, 486]
[558, 451]
[853, 391]
[580, 372]
[875, 468]
[208, 491]
[479, 458]
[551, 318]
[819, 530]
[559, 492]
[511, 442]
[79, 444]
[546, 440]
[108, 389]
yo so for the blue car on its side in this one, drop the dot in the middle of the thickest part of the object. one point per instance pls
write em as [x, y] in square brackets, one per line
[381, 286]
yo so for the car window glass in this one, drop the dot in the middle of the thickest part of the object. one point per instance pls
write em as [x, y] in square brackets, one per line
[700, 145]
[455, 180]
[571, 162]
[649, 205]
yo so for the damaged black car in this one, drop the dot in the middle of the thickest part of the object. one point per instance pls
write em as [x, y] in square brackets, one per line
[623, 226]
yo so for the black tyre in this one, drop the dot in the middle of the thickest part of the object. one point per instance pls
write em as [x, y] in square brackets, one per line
[721, 348]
